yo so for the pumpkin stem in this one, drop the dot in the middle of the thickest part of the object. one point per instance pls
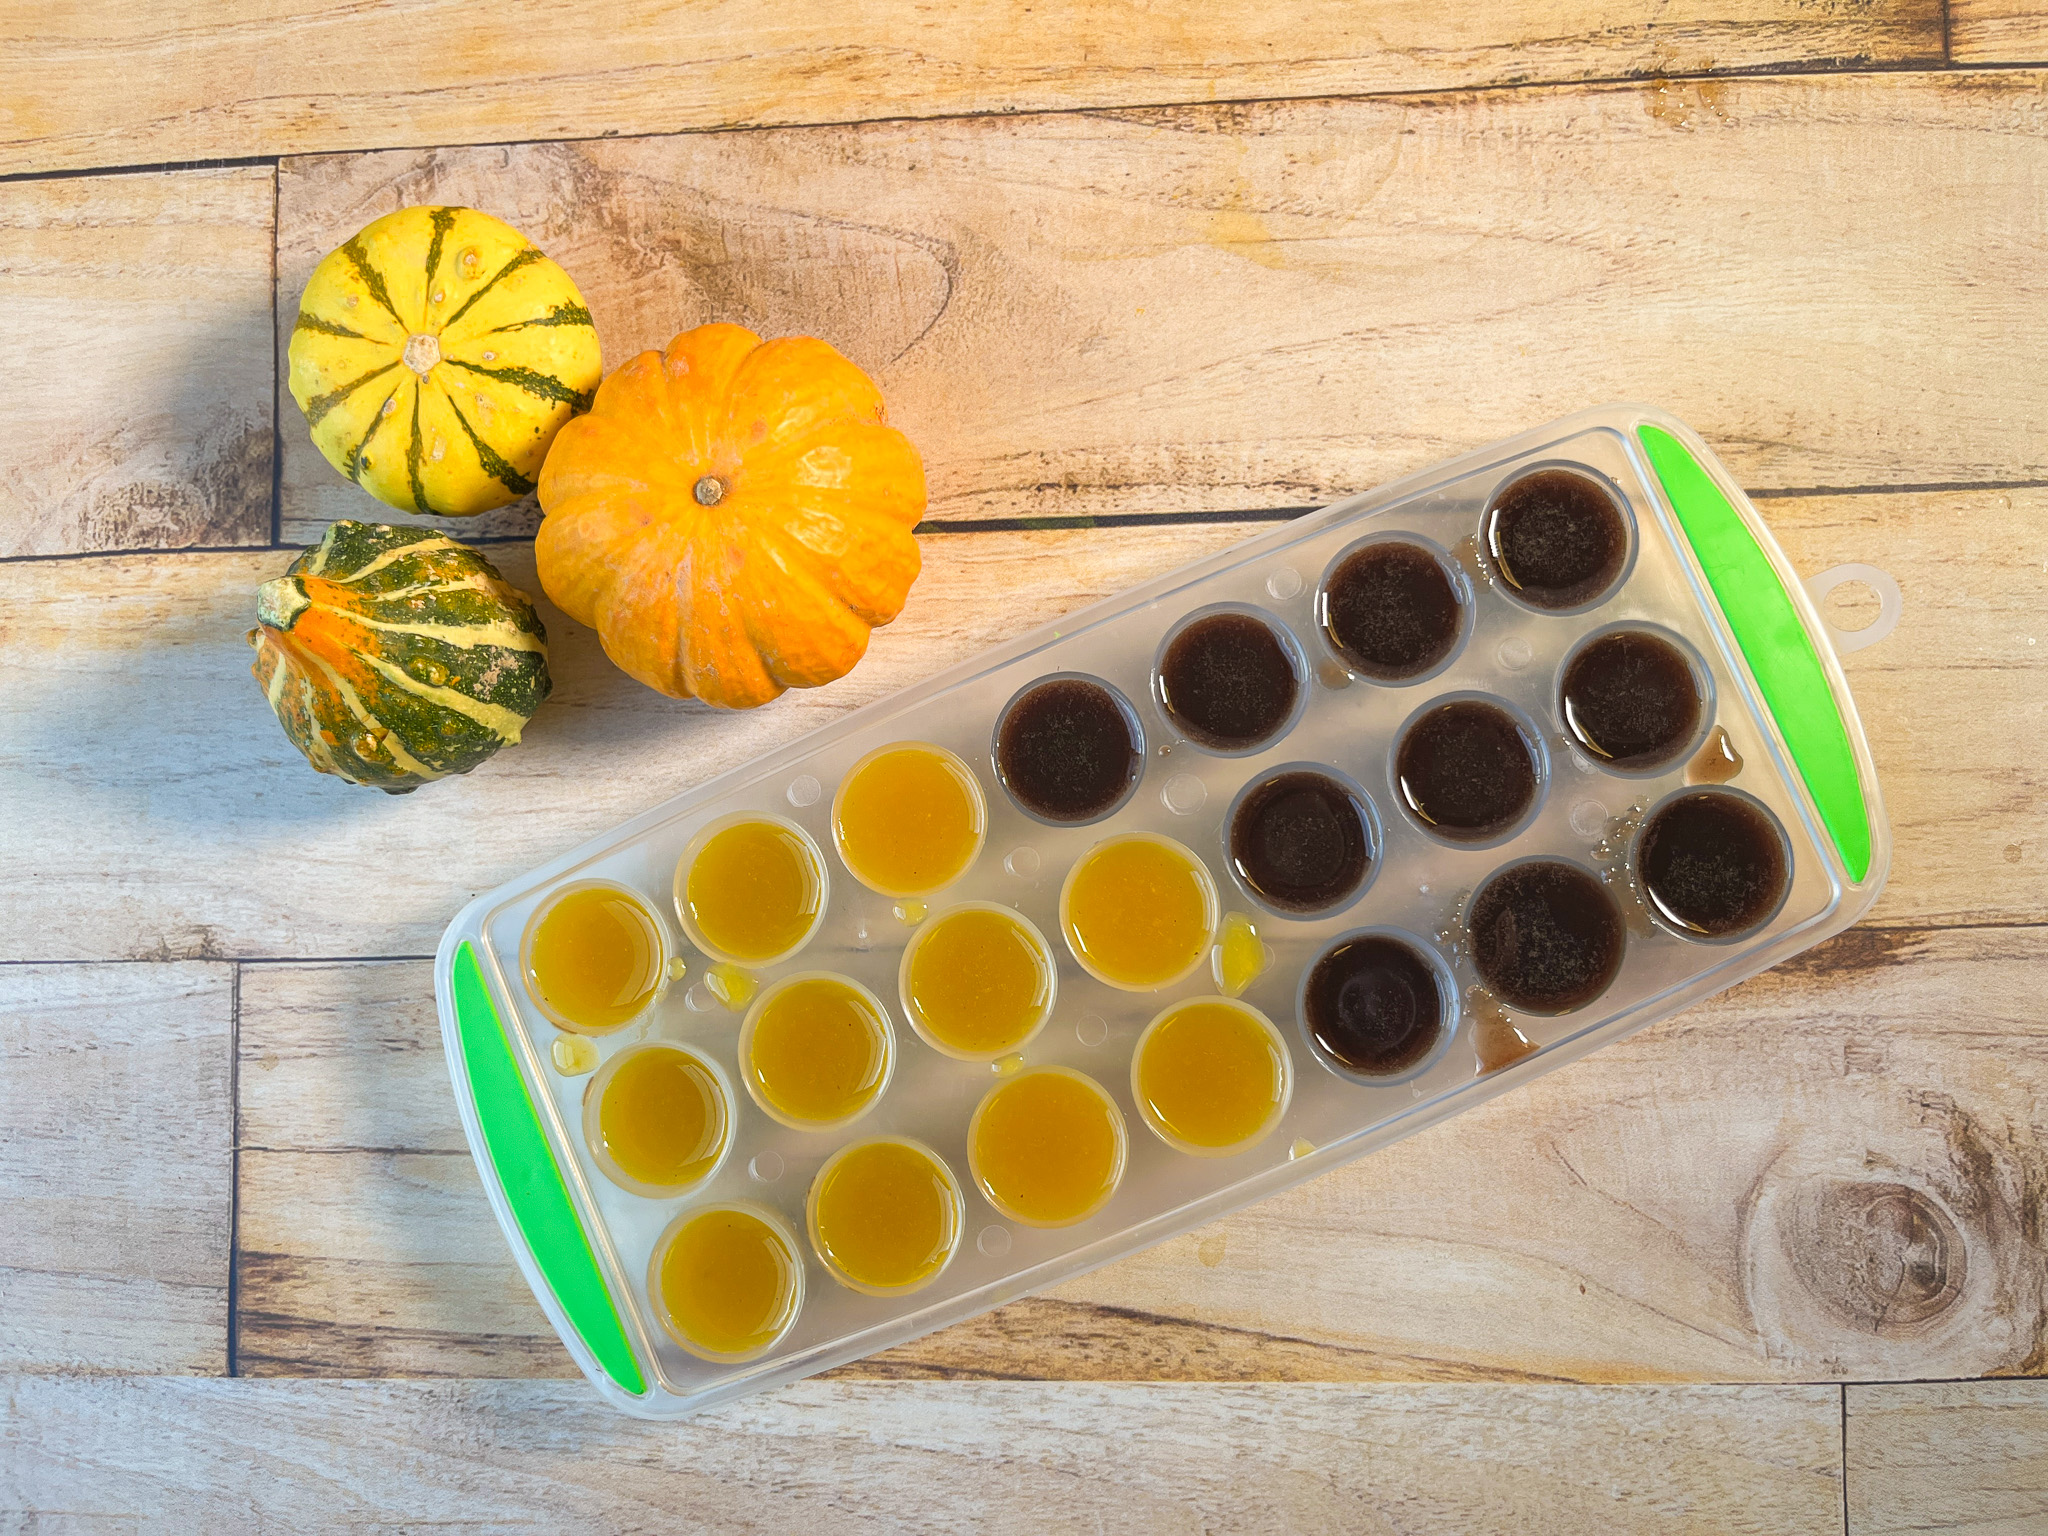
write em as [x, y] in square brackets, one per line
[709, 491]
[422, 352]
[280, 602]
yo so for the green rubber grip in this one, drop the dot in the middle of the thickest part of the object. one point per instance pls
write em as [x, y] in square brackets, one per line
[532, 1181]
[1780, 652]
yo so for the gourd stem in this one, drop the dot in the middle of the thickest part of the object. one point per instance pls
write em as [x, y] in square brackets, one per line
[280, 602]
[709, 491]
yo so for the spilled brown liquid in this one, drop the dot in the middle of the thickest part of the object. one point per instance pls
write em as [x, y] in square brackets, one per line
[1495, 1039]
[1716, 762]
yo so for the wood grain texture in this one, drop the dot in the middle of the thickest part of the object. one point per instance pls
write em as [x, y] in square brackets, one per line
[199, 832]
[135, 380]
[992, 1458]
[1997, 32]
[1878, 1149]
[1275, 305]
[1956, 1458]
[115, 1187]
[183, 82]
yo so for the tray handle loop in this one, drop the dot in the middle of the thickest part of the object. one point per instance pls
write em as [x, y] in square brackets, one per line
[1890, 604]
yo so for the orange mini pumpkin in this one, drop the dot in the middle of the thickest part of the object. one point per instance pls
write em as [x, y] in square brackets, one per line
[732, 516]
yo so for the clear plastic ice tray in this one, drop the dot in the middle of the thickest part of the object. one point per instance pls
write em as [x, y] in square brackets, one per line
[1702, 566]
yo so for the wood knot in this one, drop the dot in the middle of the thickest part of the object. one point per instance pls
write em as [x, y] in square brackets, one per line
[1883, 1256]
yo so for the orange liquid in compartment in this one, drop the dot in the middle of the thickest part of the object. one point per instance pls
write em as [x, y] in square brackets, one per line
[1047, 1147]
[752, 892]
[977, 982]
[661, 1118]
[726, 1283]
[816, 1051]
[909, 819]
[1211, 1076]
[595, 959]
[885, 1215]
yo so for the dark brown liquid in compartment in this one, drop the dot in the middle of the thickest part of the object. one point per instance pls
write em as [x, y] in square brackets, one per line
[1228, 681]
[1374, 1005]
[1556, 538]
[1067, 751]
[1712, 864]
[1546, 936]
[1300, 840]
[1630, 698]
[1390, 611]
[1466, 770]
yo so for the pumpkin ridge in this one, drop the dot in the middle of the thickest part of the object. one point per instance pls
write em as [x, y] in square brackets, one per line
[430, 541]
[354, 703]
[530, 254]
[355, 454]
[372, 279]
[495, 718]
[562, 314]
[541, 385]
[505, 637]
[414, 452]
[494, 464]
[307, 322]
[320, 405]
[800, 567]
[443, 220]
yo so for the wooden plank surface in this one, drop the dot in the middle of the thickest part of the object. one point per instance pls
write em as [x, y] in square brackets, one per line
[135, 378]
[115, 1186]
[1875, 1113]
[992, 1458]
[127, 86]
[199, 832]
[1274, 305]
[1967, 1458]
[1997, 31]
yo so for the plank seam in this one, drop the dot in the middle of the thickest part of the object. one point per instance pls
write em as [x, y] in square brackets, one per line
[276, 423]
[1052, 522]
[234, 1166]
[1843, 66]
[1844, 1387]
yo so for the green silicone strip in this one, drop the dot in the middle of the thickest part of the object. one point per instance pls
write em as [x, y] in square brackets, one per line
[531, 1181]
[1780, 652]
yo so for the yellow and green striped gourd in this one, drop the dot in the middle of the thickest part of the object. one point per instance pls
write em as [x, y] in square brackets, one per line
[436, 354]
[396, 656]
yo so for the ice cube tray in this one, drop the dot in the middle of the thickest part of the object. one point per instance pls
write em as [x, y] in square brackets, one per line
[1702, 566]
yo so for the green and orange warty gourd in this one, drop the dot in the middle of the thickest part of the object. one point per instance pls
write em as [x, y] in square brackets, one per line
[732, 517]
[436, 354]
[396, 656]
